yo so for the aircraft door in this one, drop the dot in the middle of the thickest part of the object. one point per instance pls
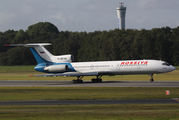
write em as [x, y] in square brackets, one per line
[138, 67]
[118, 67]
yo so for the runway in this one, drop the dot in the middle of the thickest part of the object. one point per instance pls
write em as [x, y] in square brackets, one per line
[89, 102]
[14, 83]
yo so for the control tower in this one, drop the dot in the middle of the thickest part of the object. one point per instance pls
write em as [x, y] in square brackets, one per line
[121, 12]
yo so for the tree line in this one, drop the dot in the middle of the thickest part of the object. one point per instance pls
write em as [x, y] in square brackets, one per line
[131, 44]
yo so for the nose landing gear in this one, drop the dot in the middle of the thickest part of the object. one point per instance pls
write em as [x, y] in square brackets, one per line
[151, 80]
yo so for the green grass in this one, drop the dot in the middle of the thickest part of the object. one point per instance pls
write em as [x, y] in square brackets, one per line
[17, 68]
[84, 93]
[177, 67]
[23, 72]
[91, 112]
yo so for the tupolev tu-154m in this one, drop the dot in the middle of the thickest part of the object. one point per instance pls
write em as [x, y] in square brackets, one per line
[62, 65]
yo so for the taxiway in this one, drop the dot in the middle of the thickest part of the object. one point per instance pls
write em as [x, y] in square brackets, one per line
[89, 84]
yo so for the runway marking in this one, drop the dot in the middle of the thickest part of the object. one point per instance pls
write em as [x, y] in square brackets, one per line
[176, 99]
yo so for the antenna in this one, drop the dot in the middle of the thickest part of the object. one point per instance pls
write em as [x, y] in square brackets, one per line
[121, 12]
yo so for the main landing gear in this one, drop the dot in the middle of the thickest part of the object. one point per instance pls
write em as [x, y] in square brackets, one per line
[78, 80]
[97, 80]
[94, 80]
[151, 80]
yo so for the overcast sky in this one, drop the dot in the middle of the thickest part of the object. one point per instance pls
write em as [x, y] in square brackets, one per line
[88, 15]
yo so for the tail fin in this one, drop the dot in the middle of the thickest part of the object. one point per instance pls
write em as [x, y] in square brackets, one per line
[44, 58]
[41, 54]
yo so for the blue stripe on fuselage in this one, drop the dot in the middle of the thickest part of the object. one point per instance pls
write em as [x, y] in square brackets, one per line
[42, 63]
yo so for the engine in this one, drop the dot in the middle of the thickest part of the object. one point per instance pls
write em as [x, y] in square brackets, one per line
[56, 68]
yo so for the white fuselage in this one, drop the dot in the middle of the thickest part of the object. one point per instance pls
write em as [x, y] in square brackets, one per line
[124, 67]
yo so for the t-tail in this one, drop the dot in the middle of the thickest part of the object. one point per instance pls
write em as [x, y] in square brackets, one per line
[46, 61]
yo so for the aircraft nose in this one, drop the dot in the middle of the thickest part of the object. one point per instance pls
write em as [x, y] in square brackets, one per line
[172, 68]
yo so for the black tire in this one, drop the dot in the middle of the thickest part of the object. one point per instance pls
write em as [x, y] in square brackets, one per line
[151, 80]
[73, 81]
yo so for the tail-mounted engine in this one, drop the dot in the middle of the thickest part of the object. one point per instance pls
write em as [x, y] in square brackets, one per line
[56, 68]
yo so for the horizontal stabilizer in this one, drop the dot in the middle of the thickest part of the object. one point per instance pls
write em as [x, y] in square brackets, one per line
[29, 45]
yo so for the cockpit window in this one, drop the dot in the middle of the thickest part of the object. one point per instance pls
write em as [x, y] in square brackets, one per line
[165, 63]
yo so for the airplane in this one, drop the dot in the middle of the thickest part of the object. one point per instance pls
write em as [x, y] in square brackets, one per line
[63, 65]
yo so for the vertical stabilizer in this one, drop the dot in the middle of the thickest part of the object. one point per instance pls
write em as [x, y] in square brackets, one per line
[41, 54]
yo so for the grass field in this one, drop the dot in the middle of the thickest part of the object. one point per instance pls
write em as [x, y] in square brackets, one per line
[84, 93]
[91, 112]
[23, 72]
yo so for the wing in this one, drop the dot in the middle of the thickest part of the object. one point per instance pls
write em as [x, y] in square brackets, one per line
[70, 74]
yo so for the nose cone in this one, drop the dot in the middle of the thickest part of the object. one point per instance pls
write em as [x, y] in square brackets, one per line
[172, 68]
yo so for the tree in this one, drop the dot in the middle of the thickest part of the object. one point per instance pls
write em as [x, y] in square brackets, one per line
[20, 37]
[41, 31]
[19, 56]
[158, 43]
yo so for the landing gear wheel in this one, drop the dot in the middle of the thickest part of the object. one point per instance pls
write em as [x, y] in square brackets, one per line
[73, 81]
[78, 80]
[98, 80]
[151, 80]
